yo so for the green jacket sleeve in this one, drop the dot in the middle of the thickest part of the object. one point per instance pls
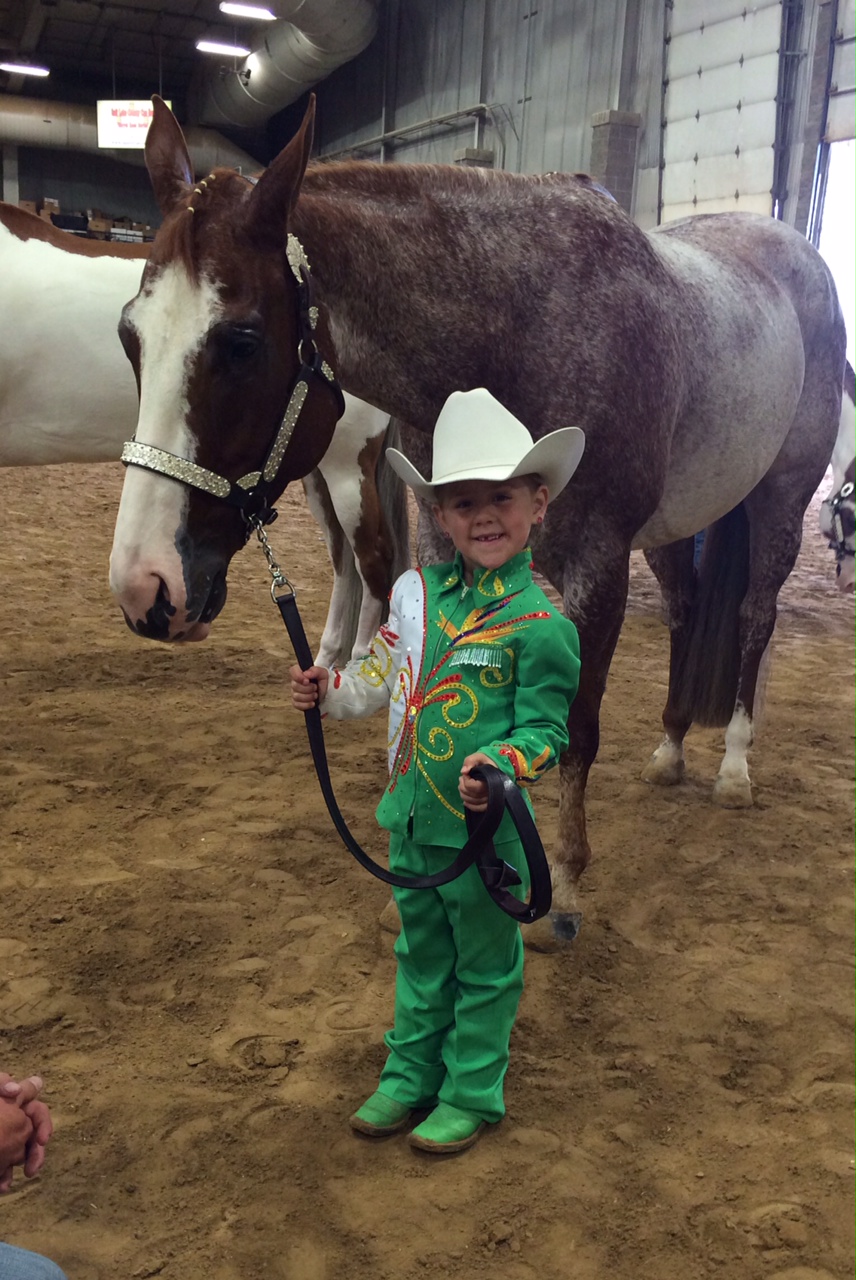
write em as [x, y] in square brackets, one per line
[548, 669]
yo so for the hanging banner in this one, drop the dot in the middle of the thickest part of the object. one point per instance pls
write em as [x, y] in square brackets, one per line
[123, 122]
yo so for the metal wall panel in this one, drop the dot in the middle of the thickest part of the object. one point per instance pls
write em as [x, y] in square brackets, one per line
[544, 67]
[692, 15]
[713, 45]
[842, 97]
[720, 119]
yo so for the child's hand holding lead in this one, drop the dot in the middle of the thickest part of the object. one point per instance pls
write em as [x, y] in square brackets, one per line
[473, 792]
[308, 687]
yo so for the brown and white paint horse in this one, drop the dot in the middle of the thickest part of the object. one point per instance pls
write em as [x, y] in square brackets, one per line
[703, 360]
[68, 394]
[838, 511]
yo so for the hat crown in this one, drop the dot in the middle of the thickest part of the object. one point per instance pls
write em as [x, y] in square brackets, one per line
[477, 438]
[475, 432]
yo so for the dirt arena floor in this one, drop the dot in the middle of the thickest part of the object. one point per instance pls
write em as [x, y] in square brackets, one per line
[196, 966]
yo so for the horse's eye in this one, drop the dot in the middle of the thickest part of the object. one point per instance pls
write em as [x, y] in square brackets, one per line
[243, 344]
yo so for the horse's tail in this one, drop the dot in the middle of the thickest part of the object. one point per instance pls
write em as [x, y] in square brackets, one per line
[392, 494]
[704, 688]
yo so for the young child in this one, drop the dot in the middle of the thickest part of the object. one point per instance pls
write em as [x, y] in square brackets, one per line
[476, 667]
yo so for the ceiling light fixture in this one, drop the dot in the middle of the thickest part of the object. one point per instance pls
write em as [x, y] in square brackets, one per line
[23, 69]
[252, 11]
[225, 50]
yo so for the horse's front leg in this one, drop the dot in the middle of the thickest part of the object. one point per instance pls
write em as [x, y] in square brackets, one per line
[594, 595]
[672, 566]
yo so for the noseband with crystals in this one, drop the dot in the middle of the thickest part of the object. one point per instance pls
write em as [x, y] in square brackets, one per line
[251, 494]
[838, 540]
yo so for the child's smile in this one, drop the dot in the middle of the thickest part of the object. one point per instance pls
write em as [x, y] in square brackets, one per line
[490, 522]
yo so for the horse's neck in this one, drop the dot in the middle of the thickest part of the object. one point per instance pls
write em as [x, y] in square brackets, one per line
[400, 258]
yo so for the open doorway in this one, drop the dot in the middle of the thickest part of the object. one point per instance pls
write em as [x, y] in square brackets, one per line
[838, 231]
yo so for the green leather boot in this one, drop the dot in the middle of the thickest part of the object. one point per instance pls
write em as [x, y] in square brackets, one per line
[448, 1129]
[380, 1116]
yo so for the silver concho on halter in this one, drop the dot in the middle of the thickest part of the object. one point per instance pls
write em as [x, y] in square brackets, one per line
[297, 258]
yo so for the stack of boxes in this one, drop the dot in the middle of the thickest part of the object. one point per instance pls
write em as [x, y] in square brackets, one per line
[94, 223]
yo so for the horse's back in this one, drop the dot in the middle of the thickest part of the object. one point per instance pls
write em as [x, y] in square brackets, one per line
[771, 276]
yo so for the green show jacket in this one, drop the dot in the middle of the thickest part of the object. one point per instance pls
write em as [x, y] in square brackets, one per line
[491, 667]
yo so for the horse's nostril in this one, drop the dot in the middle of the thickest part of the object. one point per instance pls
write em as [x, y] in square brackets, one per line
[216, 597]
[162, 601]
[155, 625]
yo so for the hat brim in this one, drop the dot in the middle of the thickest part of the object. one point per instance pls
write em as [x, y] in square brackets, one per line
[554, 458]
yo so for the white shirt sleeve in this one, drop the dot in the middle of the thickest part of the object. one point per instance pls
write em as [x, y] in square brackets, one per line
[366, 684]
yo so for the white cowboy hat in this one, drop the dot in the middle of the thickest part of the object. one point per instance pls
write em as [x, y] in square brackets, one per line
[476, 438]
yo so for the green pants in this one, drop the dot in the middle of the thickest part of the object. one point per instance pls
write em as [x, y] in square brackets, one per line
[459, 979]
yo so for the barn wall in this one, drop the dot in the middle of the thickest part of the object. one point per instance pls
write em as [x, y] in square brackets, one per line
[80, 182]
[544, 69]
[550, 74]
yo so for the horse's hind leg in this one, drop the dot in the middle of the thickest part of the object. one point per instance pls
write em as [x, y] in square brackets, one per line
[775, 511]
[673, 568]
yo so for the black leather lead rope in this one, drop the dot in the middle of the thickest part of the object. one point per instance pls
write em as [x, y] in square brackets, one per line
[496, 875]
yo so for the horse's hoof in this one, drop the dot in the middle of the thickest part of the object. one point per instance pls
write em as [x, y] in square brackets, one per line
[566, 924]
[553, 932]
[389, 919]
[664, 772]
[733, 793]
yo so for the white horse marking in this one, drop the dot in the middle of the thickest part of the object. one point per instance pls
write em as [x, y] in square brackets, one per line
[171, 317]
[732, 789]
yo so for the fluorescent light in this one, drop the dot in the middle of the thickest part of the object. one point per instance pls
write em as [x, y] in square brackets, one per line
[227, 50]
[247, 11]
[23, 69]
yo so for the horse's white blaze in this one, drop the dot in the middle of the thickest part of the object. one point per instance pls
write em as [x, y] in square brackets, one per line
[171, 317]
[733, 789]
[67, 393]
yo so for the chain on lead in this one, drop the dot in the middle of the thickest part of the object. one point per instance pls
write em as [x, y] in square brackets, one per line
[279, 583]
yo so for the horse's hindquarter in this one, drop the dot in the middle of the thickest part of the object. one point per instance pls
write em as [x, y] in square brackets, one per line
[753, 298]
[67, 392]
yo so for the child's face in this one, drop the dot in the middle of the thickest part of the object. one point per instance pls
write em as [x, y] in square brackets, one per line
[488, 522]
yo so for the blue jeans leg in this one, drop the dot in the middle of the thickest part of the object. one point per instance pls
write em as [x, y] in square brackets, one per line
[20, 1264]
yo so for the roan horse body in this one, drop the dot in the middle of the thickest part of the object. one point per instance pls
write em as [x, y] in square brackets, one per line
[67, 394]
[703, 360]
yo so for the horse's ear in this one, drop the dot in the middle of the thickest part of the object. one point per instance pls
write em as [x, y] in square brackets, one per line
[275, 194]
[167, 158]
